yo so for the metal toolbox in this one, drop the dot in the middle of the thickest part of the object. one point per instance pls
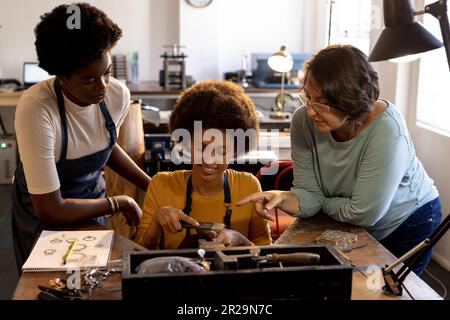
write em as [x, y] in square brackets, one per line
[237, 273]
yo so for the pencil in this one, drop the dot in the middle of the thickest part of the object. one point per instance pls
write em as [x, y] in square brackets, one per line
[69, 252]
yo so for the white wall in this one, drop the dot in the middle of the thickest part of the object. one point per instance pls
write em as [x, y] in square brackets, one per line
[18, 19]
[199, 33]
[258, 30]
[164, 23]
[215, 37]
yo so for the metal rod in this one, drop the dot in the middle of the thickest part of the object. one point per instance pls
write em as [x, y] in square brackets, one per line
[418, 12]
[435, 236]
[282, 93]
[330, 21]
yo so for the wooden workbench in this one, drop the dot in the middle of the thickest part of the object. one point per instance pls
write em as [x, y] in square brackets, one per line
[10, 99]
[369, 256]
[143, 89]
[27, 287]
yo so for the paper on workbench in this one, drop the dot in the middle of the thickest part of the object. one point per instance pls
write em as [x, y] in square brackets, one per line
[92, 249]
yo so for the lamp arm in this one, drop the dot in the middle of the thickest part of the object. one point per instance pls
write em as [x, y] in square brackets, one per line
[411, 261]
[438, 10]
[394, 280]
[330, 21]
[408, 254]
[431, 241]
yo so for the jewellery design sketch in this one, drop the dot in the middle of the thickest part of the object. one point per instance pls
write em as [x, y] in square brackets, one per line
[99, 245]
[76, 257]
[79, 247]
[56, 241]
[71, 240]
[49, 252]
[89, 238]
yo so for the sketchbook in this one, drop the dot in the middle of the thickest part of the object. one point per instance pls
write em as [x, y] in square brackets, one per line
[92, 250]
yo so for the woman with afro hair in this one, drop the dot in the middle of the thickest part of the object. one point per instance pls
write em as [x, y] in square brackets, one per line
[67, 129]
[213, 118]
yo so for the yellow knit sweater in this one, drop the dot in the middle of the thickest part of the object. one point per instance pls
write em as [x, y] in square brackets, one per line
[169, 189]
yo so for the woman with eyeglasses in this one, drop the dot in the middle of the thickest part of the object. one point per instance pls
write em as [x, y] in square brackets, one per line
[354, 159]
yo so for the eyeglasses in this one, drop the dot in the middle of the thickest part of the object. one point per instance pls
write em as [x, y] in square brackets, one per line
[316, 106]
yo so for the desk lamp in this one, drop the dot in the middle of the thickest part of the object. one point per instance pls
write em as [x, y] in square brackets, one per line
[401, 37]
[281, 61]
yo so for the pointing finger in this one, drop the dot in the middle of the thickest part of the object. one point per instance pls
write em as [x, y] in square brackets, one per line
[251, 199]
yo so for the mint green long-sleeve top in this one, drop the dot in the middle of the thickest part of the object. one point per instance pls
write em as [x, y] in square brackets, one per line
[373, 180]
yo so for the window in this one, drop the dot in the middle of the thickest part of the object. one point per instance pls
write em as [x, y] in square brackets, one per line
[350, 23]
[433, 108]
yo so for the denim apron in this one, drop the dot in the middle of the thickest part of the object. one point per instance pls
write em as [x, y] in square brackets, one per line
[79, 178]
[191, 241]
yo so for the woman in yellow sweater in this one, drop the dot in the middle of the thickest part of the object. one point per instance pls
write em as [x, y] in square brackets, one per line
[213, 118]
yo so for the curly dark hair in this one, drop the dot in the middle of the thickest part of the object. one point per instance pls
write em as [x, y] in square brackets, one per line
[346, 79]
[218, 105]
[62, 50]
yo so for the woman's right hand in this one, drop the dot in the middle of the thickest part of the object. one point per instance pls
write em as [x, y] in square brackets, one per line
[267, 200]
[169, 219]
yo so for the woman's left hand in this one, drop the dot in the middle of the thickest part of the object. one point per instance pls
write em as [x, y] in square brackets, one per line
[267, 200]
[232, 238]
[130, 209]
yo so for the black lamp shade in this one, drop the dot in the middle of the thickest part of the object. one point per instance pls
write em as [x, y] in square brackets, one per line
[402, 35]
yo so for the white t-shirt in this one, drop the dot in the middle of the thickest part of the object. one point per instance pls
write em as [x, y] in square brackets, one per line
[38, 130]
